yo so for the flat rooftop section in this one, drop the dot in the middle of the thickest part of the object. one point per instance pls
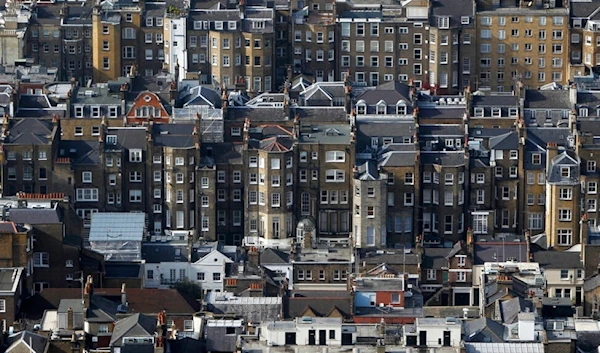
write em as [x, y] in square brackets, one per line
[504, 347]
[324, 254]
[213, 297]
[123, 270]
[385, 284]
[325, 134]
[113, 226]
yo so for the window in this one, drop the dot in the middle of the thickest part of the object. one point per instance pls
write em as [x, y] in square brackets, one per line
[564, 237]
[135, 196]
[216, 276]
[86, 195]
[565, 193]
[461, 276]
[564, 215]
[86, 177]
[334, 175]
[41, 259]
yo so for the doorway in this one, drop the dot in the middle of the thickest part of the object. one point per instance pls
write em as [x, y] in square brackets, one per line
[311, 338]
[322, 337]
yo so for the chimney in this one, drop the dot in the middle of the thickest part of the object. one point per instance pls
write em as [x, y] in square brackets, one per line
[173, 92]
[253, 257]
[573, 94]
[123, 295]
[70, 318]
[88, 291]
[552, 151]
[289, 74]
[470, 241]
[348, 97]
[242, 8]
[224, 101]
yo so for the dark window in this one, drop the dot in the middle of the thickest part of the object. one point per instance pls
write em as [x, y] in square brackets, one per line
[331, 334]
[230, 330]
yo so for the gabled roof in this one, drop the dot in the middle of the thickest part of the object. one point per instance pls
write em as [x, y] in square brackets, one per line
[274, 256]
[214, 257]
[457, 248]
[136, 325]
[30, 132]
[508, 141]
[391, 92]
[34, 342]
[483, 330]
[201, 95]
[511, 308]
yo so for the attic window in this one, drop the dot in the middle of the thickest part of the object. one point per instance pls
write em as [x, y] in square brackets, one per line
[258, 24]
[496, 112]
[565, 172]
[147, 98]
[361, 108]
[478, 112]
[111, 139]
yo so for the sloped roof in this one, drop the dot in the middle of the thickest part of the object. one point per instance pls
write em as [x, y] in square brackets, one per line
[274, 256]
[484, 330]
[136, 325]
[435, 258]
[558, 259]
[511, 308]
[508, 141]
[30, 132]
[391, 92]
[35, 342]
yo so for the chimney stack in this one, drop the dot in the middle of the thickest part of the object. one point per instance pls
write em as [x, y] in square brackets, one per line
[88, 291]
[70, 318]
[123, 295]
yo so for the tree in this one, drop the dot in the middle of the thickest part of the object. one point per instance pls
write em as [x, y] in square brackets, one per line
[190, 288]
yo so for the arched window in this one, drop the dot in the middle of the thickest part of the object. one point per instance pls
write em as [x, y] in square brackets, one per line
[305, 203]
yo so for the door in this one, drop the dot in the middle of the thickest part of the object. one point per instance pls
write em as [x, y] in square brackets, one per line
[346, 339]
[322, 337]
[423, 338]
[446, 338]
[290, 338]
[311, 338]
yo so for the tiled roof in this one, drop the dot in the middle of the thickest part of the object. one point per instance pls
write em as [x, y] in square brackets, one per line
[140, 300]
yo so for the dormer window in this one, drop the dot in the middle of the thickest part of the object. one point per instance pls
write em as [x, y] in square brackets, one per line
[478, 112]
[112, 111]
[513, 112]
[381, 108]
[218, 25]
[401, 108]
[361, 107]
[443, 22]
[231, 25]
[79, 111]
[111, 140]
[258, 24]
[565, 172]
[95, 111]
[583, 112]
[496, 112]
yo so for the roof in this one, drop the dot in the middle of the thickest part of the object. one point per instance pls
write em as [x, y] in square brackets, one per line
[136, 325]
[483, 330]
[591, 283]
[510, 309]
[174, 135]
[547, 99]
[495, 101]
[117, 226]
[164, 252]
[80, 152]
[584, 8]
[558, 259]
[29, 132]
[499, 252]
[35, 215]
[326, 134]
[127, 138]
[504, 347]
[35, 342]
[454, 9]
[447, 158]
[274, 256]
[435, 258]
[322, 303]
[122, 270]
[508, 141]
[8, 227]
[390, 92]
[251, 309]
[139, 300]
